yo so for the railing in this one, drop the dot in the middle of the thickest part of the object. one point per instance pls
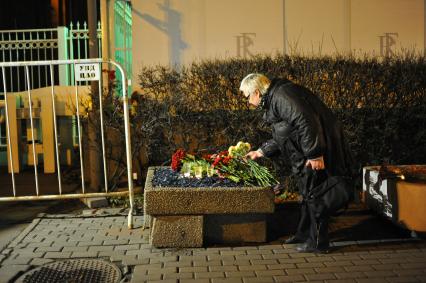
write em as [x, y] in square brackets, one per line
[94, 66]
[61, 43]
[27, 45]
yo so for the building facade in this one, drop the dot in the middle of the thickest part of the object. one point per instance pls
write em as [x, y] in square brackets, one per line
[176, 32]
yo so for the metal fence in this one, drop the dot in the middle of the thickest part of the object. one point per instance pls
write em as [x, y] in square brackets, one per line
[83, 70]
[60, 43]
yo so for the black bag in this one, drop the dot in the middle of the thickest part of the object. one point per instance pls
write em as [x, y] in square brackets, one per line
[331, 197]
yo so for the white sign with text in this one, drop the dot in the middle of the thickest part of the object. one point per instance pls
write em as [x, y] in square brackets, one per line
[87, 72]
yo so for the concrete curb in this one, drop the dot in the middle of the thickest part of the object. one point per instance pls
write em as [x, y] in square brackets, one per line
[9, 248]
[24, 233]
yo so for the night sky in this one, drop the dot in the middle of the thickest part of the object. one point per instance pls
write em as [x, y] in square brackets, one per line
[35, 14]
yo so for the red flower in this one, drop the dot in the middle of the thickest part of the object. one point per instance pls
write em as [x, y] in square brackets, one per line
[226, 160]
[223, 153]
[222, 158]
[177, 159]
[111, 75]
[207, 157]
[216, 161]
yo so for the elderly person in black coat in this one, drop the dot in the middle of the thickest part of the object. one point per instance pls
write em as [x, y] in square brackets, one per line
[308, 133]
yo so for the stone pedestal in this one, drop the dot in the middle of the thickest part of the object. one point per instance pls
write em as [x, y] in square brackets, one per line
[192, 217]
[177, 231]
[235, 228]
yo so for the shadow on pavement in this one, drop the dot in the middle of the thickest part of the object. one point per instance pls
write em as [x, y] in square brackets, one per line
[356, 224]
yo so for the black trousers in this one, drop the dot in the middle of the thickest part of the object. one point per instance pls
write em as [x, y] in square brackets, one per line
[311, 228]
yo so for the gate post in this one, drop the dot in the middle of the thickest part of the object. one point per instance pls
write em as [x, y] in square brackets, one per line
[63, 55]
[47, 131]
[94, 157]
[13, 134]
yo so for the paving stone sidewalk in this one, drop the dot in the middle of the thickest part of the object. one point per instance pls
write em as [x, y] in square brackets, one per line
[56, 237]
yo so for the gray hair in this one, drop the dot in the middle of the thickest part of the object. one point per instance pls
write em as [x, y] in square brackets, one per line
[255, 81]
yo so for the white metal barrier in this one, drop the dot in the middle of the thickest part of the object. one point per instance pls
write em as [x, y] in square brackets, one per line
[87, 69]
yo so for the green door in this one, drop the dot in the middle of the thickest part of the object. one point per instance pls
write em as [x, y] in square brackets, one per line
[123, 37]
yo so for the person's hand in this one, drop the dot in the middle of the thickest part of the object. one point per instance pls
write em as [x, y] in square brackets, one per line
[316, 164]
[253, 155]
[278, 188]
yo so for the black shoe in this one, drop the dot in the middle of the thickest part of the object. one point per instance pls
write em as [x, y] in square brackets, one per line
[294, 240]
[306, 248]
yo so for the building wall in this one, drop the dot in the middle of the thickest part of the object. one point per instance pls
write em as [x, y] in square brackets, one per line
[388, 26]
[170, 32]
[316, 27]
[179, 32]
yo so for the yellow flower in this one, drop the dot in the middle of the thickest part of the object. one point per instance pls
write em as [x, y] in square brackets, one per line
[232, 150]
[242, 148]
[247, 146]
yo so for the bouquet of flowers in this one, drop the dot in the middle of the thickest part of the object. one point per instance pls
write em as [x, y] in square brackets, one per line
[230, 164]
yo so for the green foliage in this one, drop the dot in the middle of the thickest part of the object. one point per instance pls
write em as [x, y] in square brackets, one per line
[123, 201]
[381, 103]
[248, 172]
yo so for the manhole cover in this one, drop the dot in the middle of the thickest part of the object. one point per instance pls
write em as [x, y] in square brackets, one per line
[73, 271]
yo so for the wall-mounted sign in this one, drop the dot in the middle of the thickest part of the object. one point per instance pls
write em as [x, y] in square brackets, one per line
[244, 41]
[87, 72]
[387, 43]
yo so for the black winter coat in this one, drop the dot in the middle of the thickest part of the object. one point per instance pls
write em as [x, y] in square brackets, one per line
[304, 128]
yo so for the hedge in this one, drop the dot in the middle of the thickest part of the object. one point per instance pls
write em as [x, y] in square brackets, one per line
[381, 103]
